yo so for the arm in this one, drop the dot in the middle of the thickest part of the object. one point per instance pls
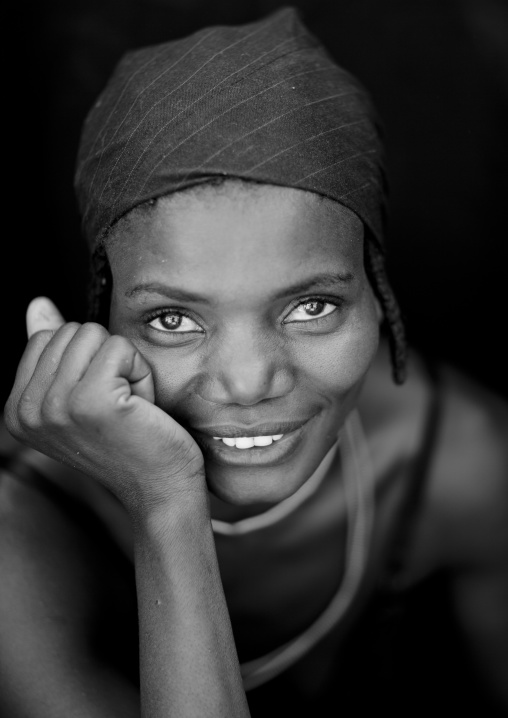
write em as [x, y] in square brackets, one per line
[86, 399]
[55, 601]
[188, 658]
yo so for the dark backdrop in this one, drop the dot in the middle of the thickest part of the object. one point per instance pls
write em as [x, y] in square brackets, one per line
[438, 72]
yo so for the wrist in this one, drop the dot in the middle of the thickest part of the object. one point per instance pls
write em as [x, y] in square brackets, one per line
[182, 512]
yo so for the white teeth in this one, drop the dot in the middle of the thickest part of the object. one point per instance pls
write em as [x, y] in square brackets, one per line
[262, 440]
[247, 442]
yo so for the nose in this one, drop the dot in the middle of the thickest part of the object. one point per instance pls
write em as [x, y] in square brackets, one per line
[246, 367]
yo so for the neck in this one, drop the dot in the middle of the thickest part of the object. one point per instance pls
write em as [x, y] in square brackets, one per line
[222, 511]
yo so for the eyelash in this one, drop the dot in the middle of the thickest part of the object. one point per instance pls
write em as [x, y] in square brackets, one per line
[335, 301]
[171, 312]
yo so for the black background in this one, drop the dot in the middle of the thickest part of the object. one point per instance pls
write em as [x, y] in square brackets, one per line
[438, 72]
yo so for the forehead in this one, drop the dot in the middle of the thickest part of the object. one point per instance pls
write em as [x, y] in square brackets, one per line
[225, 235]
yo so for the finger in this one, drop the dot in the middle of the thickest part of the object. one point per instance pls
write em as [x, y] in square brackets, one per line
[31, 356]
[53, 363]
[77, 356]
[42, 314]
[44, 372]
[118, 369]
[23, 404]
[144, 388]
[24, 373]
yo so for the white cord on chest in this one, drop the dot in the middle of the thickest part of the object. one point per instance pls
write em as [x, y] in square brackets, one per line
[357, 475]
[282, 509]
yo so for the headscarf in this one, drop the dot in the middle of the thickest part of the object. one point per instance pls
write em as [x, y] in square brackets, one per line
[261, 102]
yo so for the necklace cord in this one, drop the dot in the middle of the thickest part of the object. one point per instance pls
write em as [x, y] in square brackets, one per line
[357, 472]
[283, 508]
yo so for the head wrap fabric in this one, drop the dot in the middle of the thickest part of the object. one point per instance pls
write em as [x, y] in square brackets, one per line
[261, 102]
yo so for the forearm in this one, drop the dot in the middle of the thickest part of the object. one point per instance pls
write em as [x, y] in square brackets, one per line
[188, 661]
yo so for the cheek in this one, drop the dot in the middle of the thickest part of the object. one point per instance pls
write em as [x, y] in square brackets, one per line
[174, 373]
[338, 363]
[174, 370]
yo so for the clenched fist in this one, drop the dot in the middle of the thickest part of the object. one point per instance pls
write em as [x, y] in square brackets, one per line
[86, 398]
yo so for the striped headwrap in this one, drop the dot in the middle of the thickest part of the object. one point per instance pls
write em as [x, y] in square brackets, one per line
[262, 102]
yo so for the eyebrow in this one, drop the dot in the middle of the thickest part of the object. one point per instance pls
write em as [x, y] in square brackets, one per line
[330, 279]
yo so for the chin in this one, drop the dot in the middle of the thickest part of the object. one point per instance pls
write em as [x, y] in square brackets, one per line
[265, 486]
[244, 489]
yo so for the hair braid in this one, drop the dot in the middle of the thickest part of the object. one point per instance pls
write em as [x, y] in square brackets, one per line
[99, 287]
[376, 272]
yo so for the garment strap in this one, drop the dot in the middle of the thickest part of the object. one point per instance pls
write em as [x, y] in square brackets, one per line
[403, 535]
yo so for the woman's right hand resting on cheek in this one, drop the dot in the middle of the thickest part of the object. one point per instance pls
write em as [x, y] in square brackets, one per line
[86, 398]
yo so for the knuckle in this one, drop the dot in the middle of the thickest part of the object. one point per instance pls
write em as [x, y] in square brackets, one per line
[41, 338]
[119, 351]
[28, 412]
[94, 331]
[63, 335]
[82, 405]
[53, 409]
[116, 343]
[11, 419]
[68, 328]
[78, 404]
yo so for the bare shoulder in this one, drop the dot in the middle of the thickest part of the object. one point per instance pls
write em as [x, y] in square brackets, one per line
[62, 595]
[469, 477]
[464, 512]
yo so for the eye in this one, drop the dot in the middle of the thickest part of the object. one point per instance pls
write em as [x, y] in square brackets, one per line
[174, 322]
[313, 308]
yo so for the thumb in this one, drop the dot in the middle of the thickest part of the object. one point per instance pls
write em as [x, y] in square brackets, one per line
[42, 314]
[141, 378]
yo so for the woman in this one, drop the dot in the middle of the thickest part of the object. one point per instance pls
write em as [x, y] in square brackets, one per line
[235, 434]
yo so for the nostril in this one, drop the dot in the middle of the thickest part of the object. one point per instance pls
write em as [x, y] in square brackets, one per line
[244, 378]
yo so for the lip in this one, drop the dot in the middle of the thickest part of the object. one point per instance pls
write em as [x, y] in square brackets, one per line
[266, 429]
[278, 452]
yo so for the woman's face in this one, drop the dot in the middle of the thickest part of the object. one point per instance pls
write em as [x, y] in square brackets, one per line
[254, 311]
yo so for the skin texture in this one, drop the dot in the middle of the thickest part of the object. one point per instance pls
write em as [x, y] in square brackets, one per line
[253, 359]
[123, 411]
[116, 406]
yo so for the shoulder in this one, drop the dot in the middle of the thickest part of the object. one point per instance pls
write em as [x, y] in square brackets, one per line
[67, 600]
[46, 540]
[469, 477]
[52, 537]
[59, 487]
[464, 511]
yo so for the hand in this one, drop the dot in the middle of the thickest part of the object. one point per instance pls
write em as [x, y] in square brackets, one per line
[85, 398]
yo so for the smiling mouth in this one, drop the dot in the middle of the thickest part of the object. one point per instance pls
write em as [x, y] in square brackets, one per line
[247, 442]
[267, 444]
